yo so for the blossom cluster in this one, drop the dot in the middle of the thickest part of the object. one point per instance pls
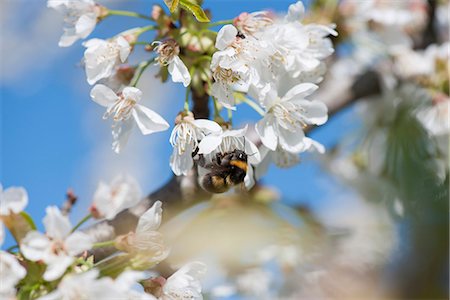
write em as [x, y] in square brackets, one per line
[55, 264]
[255, 60]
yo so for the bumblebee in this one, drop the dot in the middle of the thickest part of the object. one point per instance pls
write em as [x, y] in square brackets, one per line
[225, 170]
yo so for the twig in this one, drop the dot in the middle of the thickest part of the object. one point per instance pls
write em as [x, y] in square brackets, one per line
[71, 199]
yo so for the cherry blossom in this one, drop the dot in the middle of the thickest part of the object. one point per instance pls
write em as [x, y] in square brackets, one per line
[110, 199]
[11, 273]
[286, 117]
[101, 57]
[12, 200]
[185, 138]
[125, 110]
[168, 56]
[184, 283]
[57, 247]
[80, 17]
[146, 240]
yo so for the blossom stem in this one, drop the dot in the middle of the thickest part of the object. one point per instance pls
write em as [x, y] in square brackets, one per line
[140, 70]
[10, 249]
[84, 220]
[254, 106]
[216, 108]
[223, 22]
[103, 244]
[230, 116]
[128, 14]
[145, 29]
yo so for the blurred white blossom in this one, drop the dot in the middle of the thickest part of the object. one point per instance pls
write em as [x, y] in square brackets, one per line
[126, 111]
[185, 283]
[110, 199]
[80, 17]
[58, 247]
[11, 273]
[101, 57]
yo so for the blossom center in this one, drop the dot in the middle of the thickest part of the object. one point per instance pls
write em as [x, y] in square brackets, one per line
[121, 109]
[58, 248]
[185, 134]
[225, 75]
[289, 115]
[111, 52]
[167, 51]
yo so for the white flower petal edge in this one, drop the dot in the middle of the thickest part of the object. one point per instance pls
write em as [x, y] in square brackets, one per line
[151, 219]
[184, 283]
[12, 200]
[11, 273]
[179, 71]
[80, 17]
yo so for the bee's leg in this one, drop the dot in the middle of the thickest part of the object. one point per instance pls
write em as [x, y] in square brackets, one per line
[195, 152]
[201, 161]
[218, 159]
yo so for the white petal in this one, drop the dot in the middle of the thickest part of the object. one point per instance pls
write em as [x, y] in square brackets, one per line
[127, 279]
[181, 164]
[78, 242]
[56, 225]
[291, 141]
[56, 266]
[252, 151]
[132, 93]
[226, 36]
[266, 131]
[209, 143]
[68, 38]
[296, 12]
[124, 50]
[10, 275]
[148, 121]
[300, 91]
[34, 245]
[85, 25]
[151, 219]
[179, 71]
[236, 132]
[315, 112]
[186, 278]
[94, 43]
[223, 94]
[312, 145]
[121, 132]
[249, 179]
[207, 126]
[13, 199]
[103, 95]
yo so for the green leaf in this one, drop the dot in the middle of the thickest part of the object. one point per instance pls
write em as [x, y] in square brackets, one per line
[195, 9]
[29, 220]
[172, 4]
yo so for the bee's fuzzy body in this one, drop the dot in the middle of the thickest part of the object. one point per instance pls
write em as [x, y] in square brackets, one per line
[225, 170]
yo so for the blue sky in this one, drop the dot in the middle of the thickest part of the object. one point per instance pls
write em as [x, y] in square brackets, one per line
[53, 136]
